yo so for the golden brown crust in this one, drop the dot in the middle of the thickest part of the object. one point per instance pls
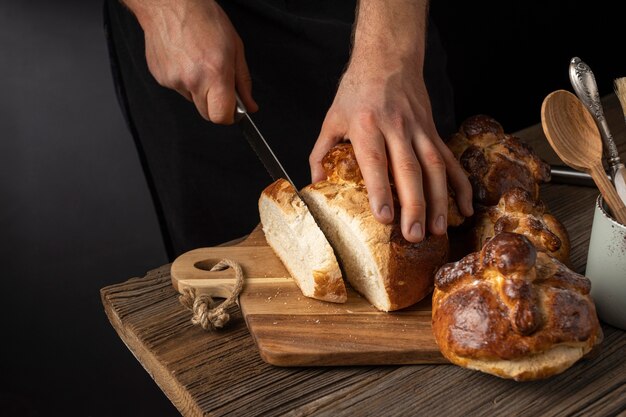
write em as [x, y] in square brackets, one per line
[341, 166]
[284, 194]
[329, 288]
[327, 280]
[407, 269]
[455, 218]
[495, 161]
[518, 212]
[412, 267]
[509, 303]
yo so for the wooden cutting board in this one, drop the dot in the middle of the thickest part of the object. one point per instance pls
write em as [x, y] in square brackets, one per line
[293, 330]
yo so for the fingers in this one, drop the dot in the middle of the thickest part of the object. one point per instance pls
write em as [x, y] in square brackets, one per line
[214, 98]
[369, 149]
[435, 183]
[221, 100]
[407, 176]
[419, 164]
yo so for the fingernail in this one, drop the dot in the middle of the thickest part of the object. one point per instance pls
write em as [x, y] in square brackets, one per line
[440, 223]
[416, 231]
[385, 212]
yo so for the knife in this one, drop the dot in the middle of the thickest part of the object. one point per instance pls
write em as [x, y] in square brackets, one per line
[259, 144]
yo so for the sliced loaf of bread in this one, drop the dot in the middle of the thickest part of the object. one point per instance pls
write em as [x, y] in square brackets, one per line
[294, 236]
[389, 271]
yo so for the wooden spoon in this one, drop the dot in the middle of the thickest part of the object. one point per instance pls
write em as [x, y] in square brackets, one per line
[575, 138]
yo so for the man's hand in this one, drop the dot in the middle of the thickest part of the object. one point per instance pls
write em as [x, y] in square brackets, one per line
[192, 47]
[382, 106]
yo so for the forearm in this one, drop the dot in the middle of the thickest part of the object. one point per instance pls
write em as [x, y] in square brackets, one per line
[391, 28]
[382, 105]
[151, 11]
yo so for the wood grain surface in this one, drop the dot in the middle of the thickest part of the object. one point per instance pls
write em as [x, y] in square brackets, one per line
[293, 330]
[221, 373]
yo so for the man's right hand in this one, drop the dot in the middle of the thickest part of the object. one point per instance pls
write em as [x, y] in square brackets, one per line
[193, 48]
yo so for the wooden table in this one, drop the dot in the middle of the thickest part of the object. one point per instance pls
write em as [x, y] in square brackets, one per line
[221, 373]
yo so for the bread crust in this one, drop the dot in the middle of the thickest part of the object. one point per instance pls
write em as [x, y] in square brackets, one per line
[326, 280]
[496, 162]
[518, 212]
[406, 269]
[513, 312]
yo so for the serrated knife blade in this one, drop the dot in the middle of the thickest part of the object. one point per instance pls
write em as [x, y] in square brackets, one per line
[259, 144]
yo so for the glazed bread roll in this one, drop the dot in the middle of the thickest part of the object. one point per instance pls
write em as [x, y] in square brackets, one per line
[496, 162]
[294, 236]
[390, 272]
[518, 212]
[513, 312]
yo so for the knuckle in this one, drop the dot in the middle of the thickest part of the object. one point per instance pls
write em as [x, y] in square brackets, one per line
[441, 202]
[374, 158]
[368, 120]
[434, 161]
[397, 121]
[414, 206]
[189, 79]
[216, 64]
[314, 159]
[408, 165]
[447, 155]
[377, 189]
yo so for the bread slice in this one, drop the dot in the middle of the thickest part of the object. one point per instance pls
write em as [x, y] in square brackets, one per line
[294, 236]
[390, 272]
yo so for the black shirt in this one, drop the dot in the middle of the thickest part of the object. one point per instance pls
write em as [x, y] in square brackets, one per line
[204, 179]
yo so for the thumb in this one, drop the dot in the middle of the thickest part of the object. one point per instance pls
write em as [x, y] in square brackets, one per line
[329, 136]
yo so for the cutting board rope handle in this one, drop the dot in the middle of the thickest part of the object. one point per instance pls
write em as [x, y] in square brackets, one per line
[200, 304]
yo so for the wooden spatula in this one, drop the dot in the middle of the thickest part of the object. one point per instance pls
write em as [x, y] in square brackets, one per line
[573, 135]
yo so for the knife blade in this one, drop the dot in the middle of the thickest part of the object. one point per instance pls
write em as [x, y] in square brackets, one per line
[259, 144]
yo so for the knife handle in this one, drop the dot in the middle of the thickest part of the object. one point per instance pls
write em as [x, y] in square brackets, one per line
[240, 109]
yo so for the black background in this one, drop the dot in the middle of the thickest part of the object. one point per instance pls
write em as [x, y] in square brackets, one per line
[506, 56]
[75, 214]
